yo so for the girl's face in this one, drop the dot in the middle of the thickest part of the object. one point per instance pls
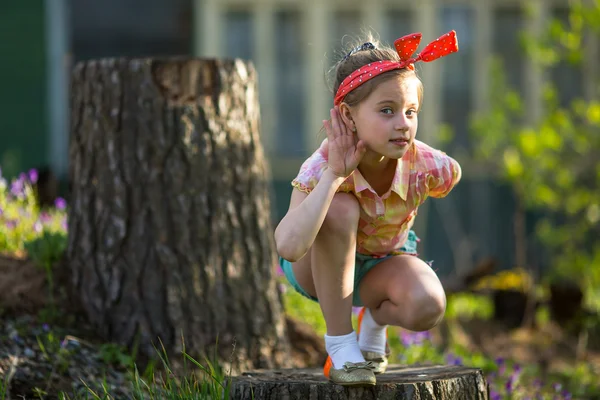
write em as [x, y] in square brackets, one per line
[386, 120]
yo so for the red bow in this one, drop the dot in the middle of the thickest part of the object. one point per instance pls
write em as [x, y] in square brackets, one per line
[405, 47]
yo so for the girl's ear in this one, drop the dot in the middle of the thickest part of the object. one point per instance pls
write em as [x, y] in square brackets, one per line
[346, 115]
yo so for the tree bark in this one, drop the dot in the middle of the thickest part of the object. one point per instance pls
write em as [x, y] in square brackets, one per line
[169, 226]
[398, 383]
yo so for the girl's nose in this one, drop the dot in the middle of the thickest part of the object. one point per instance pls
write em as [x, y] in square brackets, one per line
[401, 123]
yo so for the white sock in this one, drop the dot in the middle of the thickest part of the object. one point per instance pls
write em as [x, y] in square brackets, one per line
[342, 349]
[372, 335]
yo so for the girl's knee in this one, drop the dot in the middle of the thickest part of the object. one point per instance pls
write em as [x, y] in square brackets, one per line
[343, 214]
[427, 308]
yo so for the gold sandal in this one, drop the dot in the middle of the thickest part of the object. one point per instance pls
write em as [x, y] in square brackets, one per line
[351, 374]
[379, 361]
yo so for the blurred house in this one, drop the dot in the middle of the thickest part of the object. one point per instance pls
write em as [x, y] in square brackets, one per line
[292, 43]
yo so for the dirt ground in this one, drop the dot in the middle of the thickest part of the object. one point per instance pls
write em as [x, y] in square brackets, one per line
[550, 347]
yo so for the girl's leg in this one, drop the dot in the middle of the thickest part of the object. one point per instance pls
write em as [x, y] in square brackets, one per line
[404, 291]
[327, 272]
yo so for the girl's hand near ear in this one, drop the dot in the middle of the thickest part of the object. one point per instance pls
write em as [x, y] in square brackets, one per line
[345, 149]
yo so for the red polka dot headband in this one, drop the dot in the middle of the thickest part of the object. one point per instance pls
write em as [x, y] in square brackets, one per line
[405, 46]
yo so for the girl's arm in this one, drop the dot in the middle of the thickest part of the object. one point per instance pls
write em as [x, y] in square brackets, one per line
[297, 231]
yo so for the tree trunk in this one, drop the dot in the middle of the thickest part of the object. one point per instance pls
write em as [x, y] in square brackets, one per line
[399, 383]
[169, 226]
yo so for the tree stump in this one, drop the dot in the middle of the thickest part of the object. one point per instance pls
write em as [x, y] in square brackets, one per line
[398, 382]
[170, 233]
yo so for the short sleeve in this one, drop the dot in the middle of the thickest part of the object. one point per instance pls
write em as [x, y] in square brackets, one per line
[312, 170]
[445, 174]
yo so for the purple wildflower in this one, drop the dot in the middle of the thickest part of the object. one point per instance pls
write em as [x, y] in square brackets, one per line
[495, 395]
[502, 369]
[414, 338]
[407, 339]
[60, 203]
[45, 217]
[11, 224]
[566, 395]
[557, 387]
[33, 175]
[46, 327]
[509, 385]
[453, 360]
[15, 337]
[17, 187]
[38, 227]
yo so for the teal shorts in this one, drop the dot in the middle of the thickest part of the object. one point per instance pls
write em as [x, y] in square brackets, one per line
[363, 264]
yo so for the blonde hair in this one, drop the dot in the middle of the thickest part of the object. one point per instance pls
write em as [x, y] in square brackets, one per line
[356, 56]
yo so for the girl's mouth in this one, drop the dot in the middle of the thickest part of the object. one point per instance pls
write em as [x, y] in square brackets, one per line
[400, 142]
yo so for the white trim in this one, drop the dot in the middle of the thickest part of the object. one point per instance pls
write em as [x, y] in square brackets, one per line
[208, 32]
[482, 43]
[426, 12]
[317, 101]
[372, 17]
[533, 73]
[57, 84]
[264, 45]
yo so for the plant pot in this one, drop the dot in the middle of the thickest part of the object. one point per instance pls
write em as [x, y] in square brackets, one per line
[566, 301]
[509, 307]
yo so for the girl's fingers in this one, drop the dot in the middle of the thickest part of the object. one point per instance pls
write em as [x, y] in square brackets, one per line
[327, 125]
[334, 122]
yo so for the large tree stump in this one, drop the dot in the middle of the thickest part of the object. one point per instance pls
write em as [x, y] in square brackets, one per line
[169, 224]
[398, 383]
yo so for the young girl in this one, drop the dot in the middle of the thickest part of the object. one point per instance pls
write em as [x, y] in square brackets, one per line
[346, 238]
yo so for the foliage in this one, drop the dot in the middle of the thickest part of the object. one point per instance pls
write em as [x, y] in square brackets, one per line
[46, 249]
[514, 279]
[115, 354]
[25, 229]
[552, 163]
[507, 379]
[468, 306]
[22, 221]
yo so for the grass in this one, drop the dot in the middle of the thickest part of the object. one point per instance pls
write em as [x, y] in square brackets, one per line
[508, 379]
[197, 381]
[26, 228]
[207, 380]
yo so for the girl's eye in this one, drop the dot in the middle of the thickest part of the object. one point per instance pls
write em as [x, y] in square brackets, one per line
[411, 112]
[387, 110]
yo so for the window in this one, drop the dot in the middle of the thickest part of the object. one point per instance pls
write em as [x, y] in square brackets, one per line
[457, 73]
[238, 35]
[346, 29]
[566, 76]
[398, 23]
[508, 26]
[291, 89]
[137, 28]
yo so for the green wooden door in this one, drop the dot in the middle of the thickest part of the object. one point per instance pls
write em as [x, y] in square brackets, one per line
[23, 127]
